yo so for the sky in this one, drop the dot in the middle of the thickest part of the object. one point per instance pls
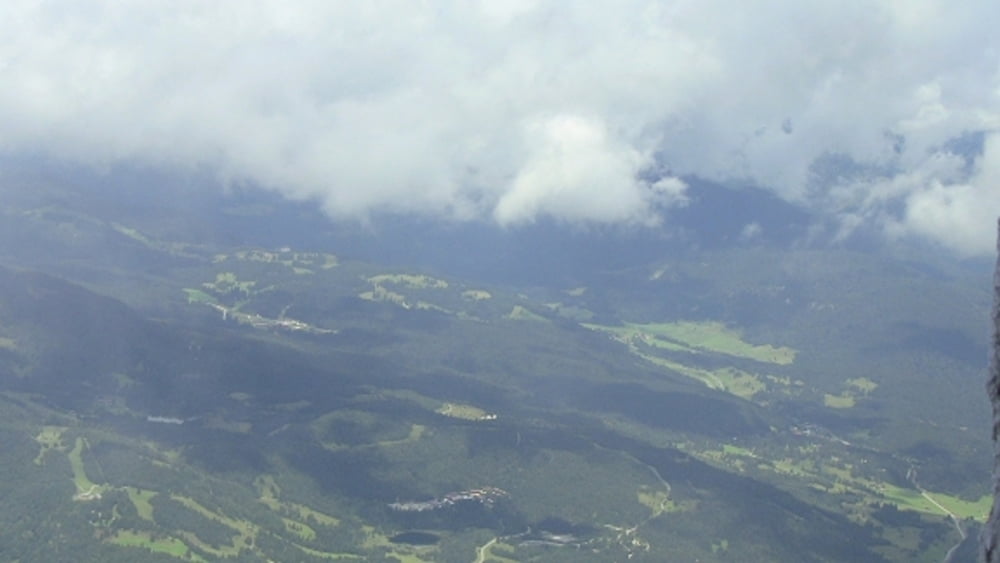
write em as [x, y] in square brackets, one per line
[511, 111]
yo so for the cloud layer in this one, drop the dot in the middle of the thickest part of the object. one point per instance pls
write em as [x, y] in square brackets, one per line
[517, 110]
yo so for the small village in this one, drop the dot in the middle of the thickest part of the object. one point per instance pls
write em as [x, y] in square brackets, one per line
[257, 321]
[486, 496]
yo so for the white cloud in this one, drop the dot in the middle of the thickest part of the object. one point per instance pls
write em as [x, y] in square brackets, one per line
[960, 215]
[510, 110]
[575, 171]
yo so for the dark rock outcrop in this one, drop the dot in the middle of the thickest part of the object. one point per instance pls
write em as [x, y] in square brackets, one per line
[990, 537]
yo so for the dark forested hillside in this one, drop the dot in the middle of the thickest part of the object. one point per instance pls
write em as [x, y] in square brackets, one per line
[168, 396]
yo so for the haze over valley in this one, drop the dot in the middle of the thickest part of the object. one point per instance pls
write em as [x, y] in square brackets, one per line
[649, 281]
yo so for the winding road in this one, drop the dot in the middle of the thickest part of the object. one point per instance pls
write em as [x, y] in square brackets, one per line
[482, 550]
[911, 474]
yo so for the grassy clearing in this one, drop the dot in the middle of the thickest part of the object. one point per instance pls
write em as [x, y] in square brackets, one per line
[409, 280]
[303, 531]
[909, 499]
[383, 436]
[174, 248]
[169, 546]
[409, 558]
[739, 459]
[834, 476]
[658, 501]
[488, 553]
[50, 438]
[705, 376]
[140, 499]
[733, 462]
[83, 484]
[740, 383]
[382, 294]
[329, 261]
[715, 337]
[305, 261]
[245, 531]
[199, 296]
[375, 539]
[306, 513]
[519, 313]
[804, 468]
[464, 412]
[269, 496]
[227, 282]
[721, 547]
[736, 382]
[632, 335]
[730, 449]
[379, 293]
[856, 388]
[242, 526]
[862, 384]
[842, 401]
[416, 432]
[696, 338]
[977, 510]
[327, 554]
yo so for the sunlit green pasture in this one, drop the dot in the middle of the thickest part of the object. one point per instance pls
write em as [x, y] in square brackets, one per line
[227, 282]
[270, 496]
[842, 401]
[375, 539]
[327, 554]
[244, 531]
[415, 281]
[487, 553]
[464, 412]
[303, 531]
[910, 499]
[835, 476]
[199, 296]
[701, 336]
[862, 384]
[978, 509]
[854, 389]
[140, 499]
[298, 262]
[169, 546]
[50, 438]
[716, 337]
[519, 313]
[731, 380]
[83, 484]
